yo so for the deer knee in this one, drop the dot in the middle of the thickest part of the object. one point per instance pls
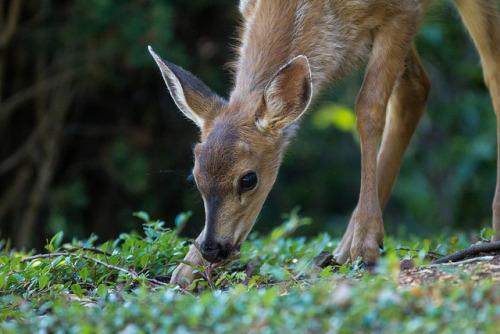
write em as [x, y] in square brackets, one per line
[423, 87]
[370, 116]
[419, 83]
[409, 98]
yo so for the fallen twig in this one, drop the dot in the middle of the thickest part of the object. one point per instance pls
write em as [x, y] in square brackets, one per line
[469, 251]
[65, 253]
[474, 259]
[109, 266]
[44, 256]
[89, 249]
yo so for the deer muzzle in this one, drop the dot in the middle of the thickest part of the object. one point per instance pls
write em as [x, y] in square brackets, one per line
[215, 252]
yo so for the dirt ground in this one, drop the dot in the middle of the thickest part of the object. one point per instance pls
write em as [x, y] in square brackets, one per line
[476, 269]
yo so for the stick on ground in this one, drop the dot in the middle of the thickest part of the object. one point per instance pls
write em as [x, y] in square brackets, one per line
[470, 251]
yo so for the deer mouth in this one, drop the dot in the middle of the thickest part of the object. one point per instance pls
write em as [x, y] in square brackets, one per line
[236, 251]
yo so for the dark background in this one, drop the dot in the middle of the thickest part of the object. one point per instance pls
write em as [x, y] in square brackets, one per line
[89, 134]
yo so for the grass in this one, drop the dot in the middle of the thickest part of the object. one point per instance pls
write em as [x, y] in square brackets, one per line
[276, 286]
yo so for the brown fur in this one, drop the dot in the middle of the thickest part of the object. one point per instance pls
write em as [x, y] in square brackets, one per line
[289, 50]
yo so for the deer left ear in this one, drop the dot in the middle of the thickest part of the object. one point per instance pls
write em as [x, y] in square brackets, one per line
[194, 99]
[286, 96]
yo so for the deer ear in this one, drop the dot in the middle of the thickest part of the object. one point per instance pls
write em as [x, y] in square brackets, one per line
[196, 101]
[286, 96]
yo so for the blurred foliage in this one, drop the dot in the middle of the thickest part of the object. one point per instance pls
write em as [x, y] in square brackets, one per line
[118, 144]
[276, 286]
[334, 115]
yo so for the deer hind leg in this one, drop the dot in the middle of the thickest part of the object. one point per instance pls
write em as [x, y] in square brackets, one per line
[385, 76]
[406, 108]
[482, 19]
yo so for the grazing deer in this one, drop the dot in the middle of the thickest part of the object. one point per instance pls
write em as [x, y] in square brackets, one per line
[289, 50]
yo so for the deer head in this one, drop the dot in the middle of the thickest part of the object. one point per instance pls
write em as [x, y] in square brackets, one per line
[241, 146]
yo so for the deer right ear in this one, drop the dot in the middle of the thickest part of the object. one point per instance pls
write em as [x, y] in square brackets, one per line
[193, 98]
[286, 96]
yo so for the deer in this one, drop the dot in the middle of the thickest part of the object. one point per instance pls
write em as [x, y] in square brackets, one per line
[288, 51]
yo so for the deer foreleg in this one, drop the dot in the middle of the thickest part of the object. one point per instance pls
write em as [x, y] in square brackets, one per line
[183, 275]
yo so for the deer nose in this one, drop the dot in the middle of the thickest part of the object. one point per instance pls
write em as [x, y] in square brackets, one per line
[213, 251]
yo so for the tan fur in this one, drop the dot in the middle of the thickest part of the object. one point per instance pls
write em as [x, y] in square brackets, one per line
[289, 50]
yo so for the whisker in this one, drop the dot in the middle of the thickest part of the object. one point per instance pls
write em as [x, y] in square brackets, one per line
[182, 173]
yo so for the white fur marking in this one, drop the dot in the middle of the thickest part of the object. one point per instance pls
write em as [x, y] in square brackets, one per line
[311, 81]
[243, 4]
[176, 91]
[262, 124]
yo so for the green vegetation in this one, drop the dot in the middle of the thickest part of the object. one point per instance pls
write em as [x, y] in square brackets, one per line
[277, 285]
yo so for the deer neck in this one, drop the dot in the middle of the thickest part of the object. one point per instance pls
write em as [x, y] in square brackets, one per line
[271, 36]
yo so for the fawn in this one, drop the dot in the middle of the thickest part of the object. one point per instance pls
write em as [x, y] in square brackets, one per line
[288, 51]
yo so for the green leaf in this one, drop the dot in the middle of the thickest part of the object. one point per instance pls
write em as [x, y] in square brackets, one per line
[77, 290]
[220, 279]
[187, 263]
[102, 290]
[42, 281]
[490, 232]
[144, 260]
[483, 233]
[265, 269]
[453, 241]
[253, 280]
[280, 273]
[326, 272]
[427, 245]
[241, 275]
[182, 218]
[57, 261]
[142, 215]
[277, 233]
[344, 268]
[14, 263]
[2, 279]
[83, 273]
[402, 252]
[104, 246]
[56, 239]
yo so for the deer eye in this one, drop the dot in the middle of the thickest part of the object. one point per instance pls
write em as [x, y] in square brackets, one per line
[248, 181]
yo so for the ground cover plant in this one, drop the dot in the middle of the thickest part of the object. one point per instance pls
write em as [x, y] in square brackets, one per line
[280, 282]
